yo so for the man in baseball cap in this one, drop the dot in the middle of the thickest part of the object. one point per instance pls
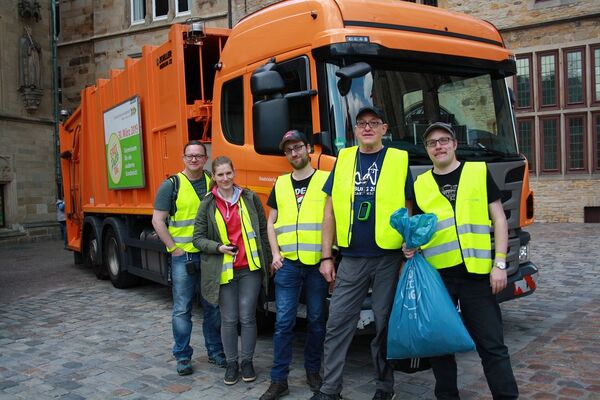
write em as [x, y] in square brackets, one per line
[373, 110]
[294, 136]
[439, 125]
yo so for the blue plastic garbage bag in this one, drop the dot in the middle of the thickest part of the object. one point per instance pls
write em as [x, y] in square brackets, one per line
[424, 321]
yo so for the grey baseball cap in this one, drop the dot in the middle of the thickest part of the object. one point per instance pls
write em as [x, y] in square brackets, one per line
[439, 125]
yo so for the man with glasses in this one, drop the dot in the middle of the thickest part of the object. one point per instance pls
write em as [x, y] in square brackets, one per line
[175, 208]
[464, 197]
[294, 227]
[368, 183]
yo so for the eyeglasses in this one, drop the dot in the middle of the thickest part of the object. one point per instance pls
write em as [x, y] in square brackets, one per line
[433, 142]
[297, 148]
[372, 124]
[190, 157]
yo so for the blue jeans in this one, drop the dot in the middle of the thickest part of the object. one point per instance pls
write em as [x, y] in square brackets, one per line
[184, 288]
[289, 281]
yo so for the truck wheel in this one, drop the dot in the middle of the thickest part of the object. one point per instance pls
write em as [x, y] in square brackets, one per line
[91, 248]
[114, 260]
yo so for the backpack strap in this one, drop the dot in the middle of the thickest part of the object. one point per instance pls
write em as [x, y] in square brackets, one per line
[175, 180]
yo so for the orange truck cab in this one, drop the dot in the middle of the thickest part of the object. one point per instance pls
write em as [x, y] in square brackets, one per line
[297, 64]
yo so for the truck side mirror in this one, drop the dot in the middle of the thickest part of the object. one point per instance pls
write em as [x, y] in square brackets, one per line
[270, 115]
[270, 120]
[266, 83]
[346, 74]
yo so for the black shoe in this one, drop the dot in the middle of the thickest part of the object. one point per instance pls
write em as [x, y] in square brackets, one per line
[275, 391]
[184, 367]
[314, 381]
[323, 396]
[232, 373]
[248, 374]
[381, 395]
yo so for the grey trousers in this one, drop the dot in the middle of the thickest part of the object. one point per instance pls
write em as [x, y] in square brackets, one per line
[237, 301]
[354, 277]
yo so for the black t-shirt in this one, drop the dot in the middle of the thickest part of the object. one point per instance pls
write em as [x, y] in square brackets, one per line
[368, 166]
[448, 185]
[300, 188]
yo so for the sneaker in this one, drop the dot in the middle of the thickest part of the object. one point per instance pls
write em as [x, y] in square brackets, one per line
[232, 373]
[184, 367]
[381, 395]
[314, 381]
[248, 374]
[275, 391]
[323, 396]
[218, 359]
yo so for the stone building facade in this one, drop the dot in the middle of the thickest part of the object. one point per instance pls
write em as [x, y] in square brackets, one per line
[557, 91]
[98, 35]
[28, 184]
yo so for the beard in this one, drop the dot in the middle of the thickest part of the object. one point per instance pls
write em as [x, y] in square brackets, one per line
[301, 163]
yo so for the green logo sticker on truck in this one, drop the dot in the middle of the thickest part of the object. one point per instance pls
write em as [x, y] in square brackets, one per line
[123, 141]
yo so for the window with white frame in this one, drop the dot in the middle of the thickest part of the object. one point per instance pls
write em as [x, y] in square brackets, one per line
[160, 9]
[138, 11]
[183, 7]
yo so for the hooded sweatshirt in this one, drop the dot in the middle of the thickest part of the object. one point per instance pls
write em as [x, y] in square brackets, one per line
[230, 212]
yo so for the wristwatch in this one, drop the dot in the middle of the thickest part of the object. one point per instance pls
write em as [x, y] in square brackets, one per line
[501, 265]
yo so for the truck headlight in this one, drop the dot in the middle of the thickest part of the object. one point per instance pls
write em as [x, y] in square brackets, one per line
[524, 253]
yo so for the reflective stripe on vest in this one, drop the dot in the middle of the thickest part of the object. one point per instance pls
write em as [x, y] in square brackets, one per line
[181, 225]
[299, 230]
[462, 235]
[389, 196]
[249, 237]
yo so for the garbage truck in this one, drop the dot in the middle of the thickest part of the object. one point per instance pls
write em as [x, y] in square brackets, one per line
[296, 64]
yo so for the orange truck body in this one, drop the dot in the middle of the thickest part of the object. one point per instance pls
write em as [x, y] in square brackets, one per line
[182, 90]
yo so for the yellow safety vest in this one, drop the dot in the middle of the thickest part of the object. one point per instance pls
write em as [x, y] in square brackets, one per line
[299, 230]
[462, 235]
[181, 225]
[249, 237]
[389, 196]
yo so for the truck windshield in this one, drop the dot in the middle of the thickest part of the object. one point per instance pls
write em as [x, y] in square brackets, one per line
[477, 106]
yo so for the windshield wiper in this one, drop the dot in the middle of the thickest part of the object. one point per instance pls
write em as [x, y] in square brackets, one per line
[478, 148]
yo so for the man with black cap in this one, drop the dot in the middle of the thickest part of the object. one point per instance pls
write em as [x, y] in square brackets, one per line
[464, 197]
[294, 228]
[368, 183]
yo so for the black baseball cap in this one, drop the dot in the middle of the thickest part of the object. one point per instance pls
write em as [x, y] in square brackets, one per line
[373, 110]
[293, 135]
[439, 125]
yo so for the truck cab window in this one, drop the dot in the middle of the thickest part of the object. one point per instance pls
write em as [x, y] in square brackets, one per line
[295, 73]
[232, 110]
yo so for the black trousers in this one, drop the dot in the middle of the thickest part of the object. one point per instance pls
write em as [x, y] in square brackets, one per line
[483, 319]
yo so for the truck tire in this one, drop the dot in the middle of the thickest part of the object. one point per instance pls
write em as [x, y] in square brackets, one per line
[92, 246]
[114, 255]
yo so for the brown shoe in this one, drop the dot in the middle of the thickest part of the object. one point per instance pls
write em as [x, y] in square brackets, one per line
[275, 391]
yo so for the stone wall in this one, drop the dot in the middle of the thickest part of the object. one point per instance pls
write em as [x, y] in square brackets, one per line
[27, 136]
[563, 200]
[505, 14]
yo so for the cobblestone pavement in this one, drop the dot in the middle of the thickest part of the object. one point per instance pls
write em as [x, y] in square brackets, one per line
[92, 341]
